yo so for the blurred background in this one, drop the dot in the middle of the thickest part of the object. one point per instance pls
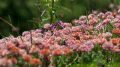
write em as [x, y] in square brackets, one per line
[17, 16]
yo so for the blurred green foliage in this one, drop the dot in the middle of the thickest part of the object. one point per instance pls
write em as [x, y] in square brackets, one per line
[26, 14]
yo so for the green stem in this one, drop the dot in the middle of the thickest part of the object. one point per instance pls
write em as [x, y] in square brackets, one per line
[7, 22]
[52, 10]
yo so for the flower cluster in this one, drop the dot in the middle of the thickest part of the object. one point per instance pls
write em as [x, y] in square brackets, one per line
[62, 39]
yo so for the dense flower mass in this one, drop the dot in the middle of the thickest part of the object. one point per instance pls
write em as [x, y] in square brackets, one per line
[62, 38]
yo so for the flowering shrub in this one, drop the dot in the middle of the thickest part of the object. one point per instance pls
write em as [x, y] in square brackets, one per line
[92, 38]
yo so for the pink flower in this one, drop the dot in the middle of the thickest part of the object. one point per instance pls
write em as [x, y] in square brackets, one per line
[118, 16]
[33, 49]
[10, 63]
[67, 25]
[10, 45]
[58, 52]
[25, 33]
[72, 44]
[45, 52]
[116, 20]
[3, 45]
[93, 21]
[58, 39]
[38, 31]
[4, 52]
[116, 49]
[108, 13]
[107, 46]
[110, 17]
[117, 25]
[86, 47]
[101, 15]
[103, 24]
[99, 41]
[3, 62]
[91, 16]
[26, 44]
[66, 31]
[67, 50]
[63, 25]
[22, 52]
[81, 22]
[83, 18]
[22, 46]
[119, 11]
[47, 26]
[105, 35]
[75, 28]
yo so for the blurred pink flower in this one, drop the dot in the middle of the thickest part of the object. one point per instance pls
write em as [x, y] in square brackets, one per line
[117, 25]
[33, 49]
[91, 16]
[47, 26]
[25, 33]
[75, 29]
[107, 46]
[116, 49]
[83, 18]
[108, 13]
[101, 15]
[3, 62]
[105, 35]
[103, 24]
[22, 52]
[10, 63]
[57, 52]
[86, 47]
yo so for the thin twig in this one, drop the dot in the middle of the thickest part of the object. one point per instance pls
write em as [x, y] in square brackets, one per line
[43, 12]
[7, 22]
[52, 10]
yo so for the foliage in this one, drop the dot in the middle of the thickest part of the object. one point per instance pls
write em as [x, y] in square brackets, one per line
[26, 14]
[91, 40]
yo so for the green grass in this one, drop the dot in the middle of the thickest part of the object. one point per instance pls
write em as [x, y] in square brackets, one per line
[96, 65]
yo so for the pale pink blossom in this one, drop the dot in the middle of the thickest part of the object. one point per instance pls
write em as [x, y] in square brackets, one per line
[47, 26]
[107, 46]
[83, 18]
